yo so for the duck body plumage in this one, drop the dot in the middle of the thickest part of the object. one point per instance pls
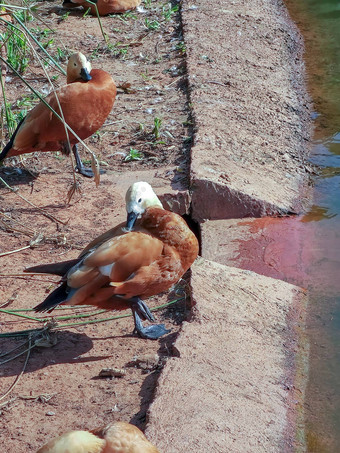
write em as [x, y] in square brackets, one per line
[117, 437]
[85, 106]
[104, 6]
[122, 437]
[120, 267]
[74, 442]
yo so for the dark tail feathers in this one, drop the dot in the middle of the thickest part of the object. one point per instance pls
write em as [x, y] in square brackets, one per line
[58, 296]
[10, 143]
[55, 268]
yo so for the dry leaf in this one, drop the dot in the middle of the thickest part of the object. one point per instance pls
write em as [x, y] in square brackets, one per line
[95, 169]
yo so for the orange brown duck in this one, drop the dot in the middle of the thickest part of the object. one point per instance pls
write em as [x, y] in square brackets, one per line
[121, 267]
[85, 102]
[104, 6]
[118, 437]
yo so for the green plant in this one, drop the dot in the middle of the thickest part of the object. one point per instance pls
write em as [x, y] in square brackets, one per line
[13, 117]
[10, 119]
[20, 115]
[48, 43]
[168, 11]
[181, 47]
[152, 25]
[41, 33]
[118, 49]
[59, 156]
[17, 48]
[157, 127]
[147, 3]
[65, 16]
[26, 101]
[134, 154]
[62, 54]
[24, 15]
[126, 16]
[21, 28]
[87, 12]
[145, 75]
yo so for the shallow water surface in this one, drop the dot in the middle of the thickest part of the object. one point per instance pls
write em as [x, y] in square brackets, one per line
[319, 22]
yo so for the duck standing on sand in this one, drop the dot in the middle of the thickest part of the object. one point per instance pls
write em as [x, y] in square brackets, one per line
[121, 267]
[85, 102]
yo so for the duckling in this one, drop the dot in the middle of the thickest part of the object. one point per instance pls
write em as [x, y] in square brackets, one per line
[118, 437]
[85, 101]
[104, 6]
[125, 264]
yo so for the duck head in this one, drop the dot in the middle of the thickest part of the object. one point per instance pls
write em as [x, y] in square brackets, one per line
[139, 197]
[78, 68]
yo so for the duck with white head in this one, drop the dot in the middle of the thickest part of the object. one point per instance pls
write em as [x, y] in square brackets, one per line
[138, 259]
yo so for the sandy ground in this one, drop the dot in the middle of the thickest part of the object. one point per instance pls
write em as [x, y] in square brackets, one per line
[236, 105]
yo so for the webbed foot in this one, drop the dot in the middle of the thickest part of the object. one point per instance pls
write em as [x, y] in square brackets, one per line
[141, 310]
[80, 167]
[87, 172]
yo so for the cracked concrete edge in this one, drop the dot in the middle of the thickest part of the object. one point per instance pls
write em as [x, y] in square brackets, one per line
[234, 383]
[213, 200]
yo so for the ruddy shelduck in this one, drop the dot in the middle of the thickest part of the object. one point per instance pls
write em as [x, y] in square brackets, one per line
[122, 266]
[118, 437]
[104, 6]
[85, 103]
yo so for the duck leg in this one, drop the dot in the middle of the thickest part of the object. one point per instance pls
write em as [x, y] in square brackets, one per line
[141, 311]
[80, 167]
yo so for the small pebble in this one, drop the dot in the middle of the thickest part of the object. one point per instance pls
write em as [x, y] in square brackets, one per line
[112, 372]
[50, 413]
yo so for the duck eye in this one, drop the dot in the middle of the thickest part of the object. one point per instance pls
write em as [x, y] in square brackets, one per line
[74, 64]
[140, 200]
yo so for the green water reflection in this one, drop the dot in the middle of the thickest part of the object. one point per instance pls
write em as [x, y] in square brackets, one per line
[319, 21]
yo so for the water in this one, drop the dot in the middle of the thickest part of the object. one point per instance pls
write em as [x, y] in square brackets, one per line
[319, 21]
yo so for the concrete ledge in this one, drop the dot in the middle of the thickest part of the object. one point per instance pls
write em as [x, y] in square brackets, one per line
[250, 108]
[228, 389]
[214, 200]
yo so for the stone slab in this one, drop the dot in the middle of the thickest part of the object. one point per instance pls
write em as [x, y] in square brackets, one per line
[250, 108]
[227, 389]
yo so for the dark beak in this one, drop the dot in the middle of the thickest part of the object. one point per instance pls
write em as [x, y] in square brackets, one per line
[131, 220]
[85, 75]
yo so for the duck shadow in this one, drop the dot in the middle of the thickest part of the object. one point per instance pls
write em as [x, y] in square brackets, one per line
[68, 349]
[15, 176]
[76, 11]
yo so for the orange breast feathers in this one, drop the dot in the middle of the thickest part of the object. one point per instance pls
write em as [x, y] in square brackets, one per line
[116, 437]
[104, 6]
[85, 102]
[141, 263]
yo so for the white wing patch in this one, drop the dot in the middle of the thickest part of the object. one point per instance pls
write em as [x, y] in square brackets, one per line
[106, 270]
